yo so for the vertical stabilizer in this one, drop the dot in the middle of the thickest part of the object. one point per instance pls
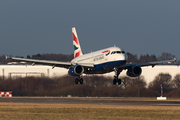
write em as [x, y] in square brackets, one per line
[76, 44]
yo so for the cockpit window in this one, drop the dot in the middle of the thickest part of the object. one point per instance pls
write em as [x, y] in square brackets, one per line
[117, 52]
[123, 52]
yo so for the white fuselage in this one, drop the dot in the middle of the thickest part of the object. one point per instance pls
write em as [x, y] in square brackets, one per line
[103, 60]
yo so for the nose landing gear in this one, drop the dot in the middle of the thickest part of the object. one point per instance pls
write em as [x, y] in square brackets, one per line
[116, 80]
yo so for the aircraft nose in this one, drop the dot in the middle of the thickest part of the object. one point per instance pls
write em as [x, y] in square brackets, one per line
[124, 57]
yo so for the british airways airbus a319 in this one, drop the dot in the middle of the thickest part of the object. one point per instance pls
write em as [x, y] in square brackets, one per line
[99, 62]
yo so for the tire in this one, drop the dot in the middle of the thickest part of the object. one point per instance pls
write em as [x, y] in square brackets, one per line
[76, 81]
[119, 82]
[81, 81]
[114, 81]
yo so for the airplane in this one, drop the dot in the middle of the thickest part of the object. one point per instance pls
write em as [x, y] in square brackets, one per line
[98, 62]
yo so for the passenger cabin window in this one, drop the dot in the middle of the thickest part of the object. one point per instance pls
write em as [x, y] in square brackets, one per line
[117, 52]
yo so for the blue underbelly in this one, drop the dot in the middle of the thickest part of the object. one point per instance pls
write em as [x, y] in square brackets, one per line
[109, 65]
[105, 67]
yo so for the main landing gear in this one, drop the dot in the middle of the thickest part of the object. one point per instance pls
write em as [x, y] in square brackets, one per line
[78, 80]
[116, 80]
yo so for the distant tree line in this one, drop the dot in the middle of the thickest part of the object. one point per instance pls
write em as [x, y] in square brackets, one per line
[55, 57]
[93, 86]
[63, 57]
[150, 58]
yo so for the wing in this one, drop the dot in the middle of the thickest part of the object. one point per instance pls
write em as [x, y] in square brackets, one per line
[52, 63]
[126, 66]
[45, 62]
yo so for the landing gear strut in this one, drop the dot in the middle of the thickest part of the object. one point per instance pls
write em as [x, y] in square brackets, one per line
[77, 80]
[116, 80]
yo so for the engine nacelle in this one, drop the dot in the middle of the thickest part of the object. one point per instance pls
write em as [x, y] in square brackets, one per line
[76, 70]
[134, 71]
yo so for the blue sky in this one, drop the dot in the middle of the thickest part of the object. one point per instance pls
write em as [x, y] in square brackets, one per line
[44, 26]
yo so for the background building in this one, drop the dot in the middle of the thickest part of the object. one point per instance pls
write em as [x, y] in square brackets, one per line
[13, 71]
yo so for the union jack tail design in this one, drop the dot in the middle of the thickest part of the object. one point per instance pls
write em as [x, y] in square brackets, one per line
[76, 44]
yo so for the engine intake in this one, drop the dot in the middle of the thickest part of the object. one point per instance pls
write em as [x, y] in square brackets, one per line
[134, 71]
[76, 70]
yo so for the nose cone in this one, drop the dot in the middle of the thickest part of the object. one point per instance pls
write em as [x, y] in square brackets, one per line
[122, 57]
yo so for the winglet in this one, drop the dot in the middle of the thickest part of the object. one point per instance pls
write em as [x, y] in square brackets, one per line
[174, 59]
[6, 57]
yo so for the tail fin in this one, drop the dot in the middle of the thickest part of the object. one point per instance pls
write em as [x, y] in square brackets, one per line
[76, 44]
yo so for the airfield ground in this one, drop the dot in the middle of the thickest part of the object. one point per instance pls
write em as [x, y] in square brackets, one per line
[13, 110]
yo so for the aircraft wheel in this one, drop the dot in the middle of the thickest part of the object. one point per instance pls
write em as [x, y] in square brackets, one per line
[76, 81]
[81, 81]
[119, 82]
[114, 81]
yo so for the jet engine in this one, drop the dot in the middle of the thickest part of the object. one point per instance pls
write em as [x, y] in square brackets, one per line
[134, 71]
[76, 70]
